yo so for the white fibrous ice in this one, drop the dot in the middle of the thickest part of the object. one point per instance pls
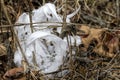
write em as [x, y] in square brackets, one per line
[42, 49]
[48, 50]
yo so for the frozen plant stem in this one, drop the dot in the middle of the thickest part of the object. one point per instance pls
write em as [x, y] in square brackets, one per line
[43, 2]
[16, 38]
[30, 15]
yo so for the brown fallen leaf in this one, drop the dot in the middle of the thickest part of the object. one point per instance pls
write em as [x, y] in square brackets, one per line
[107, 42]
[91, 34]
[13, 73]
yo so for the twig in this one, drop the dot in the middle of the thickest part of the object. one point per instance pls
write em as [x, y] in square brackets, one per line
[57, 71]
[114, 57]
[30, 16]
[64, 17]
[39, 23]
[108, 13]
[118, 11]
[29, 6]
[70, 50]
[43, 2]
[95, 19]
[85, 2]
[52, 25]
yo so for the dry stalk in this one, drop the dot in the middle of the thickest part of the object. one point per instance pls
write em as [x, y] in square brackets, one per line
[64, 2]
[118, 11]
[40, 23]
[63, 28]
[43, 2]
[29, 6]
[30, 16]
[85, 2]
[114, 57]
[108, 13]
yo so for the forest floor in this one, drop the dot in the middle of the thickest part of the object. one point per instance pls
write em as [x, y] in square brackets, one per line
[100, 60]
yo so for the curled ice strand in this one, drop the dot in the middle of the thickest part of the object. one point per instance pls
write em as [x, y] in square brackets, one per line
[36, 35]
[74, 13]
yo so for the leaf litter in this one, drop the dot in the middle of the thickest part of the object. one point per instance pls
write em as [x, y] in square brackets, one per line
[94, 54]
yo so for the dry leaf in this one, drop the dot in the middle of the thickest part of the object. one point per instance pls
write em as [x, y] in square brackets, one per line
[14, 73]
[91, 34]
[107, 41]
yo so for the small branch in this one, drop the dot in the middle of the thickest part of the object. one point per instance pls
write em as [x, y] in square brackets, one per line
[118, 11]
[64, 17]
[43, 2]
[30, 15]
[85, 2]
[57, 71]
[29, 6]
[114, 16]
[52, 24]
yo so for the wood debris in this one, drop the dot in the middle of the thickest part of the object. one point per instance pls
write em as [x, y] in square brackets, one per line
[3, 50]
